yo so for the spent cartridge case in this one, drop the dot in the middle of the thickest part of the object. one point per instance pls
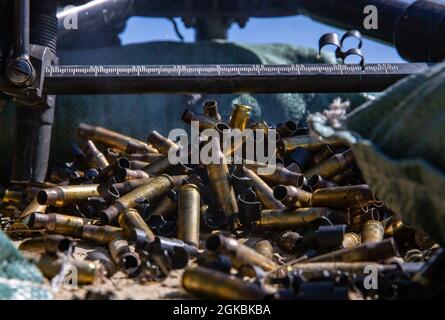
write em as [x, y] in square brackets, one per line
[323, 154]
[351, 240]
[128, 174]
[62, 195]
[204, 121]
[154, 189]
[239, 253]
[213, 284]
[47, 244]
[160, 166]
[101, 257]
[113, 139]
[343, 197]
[189, 209]
[112, 170]
[167, 206]
[302, 158]
[281, 175]
[95, 158]
[161, 143]
[263, 191]
[127, 186]
[376, 251]
[332, 166]
[100, 234]
[285, 219]
[87, 271]
[210, 109]
[318, 182]
[310, 143]
[129, 220]
[372, 231]
[57, 223]
[114, 154]
[260, 125]
[240, 117]
[292, 197]
[220, 181]
[123, 256]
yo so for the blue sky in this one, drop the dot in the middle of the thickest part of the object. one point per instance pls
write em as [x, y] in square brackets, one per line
[296, 30]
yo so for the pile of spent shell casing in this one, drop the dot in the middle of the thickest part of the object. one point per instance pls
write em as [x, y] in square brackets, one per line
[309, 229]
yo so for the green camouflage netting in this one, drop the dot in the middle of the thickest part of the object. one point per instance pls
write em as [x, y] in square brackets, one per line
[19, 278]
[138, 115]
[399, 142]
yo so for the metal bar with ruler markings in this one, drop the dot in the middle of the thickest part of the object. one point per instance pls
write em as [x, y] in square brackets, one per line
[314, 78]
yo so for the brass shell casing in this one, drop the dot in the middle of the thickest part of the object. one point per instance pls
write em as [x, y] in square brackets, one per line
[57, 223]
[238, 253]
[161, 143]
[372, 231]
[292, 197]
[281, 175]
[210, 109]
[240, 117]
[376, 251]
[154, 189]
[130, 219]
[332, 166]
[50, 244]
[205, 122]
[290, 218]
[121, 253]
[62, 195]
[100, 234]
[351, 240]
[189, 208]
[220, 181]
[94, 157]
[33, 206]
[214, 284]
[264, 192]
[158, 167]
[113, 139]
[343, 197]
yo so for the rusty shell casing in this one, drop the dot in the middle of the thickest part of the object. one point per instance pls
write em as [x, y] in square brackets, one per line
[57, 223]
[33, 206]
[210, 109]
[220, 181]
[113, 139]
[130, 185]
[100, 234]
[351, 240]
[128, 174]
[123, 256]
[343, 197]
[287, 129]
[205, 122]
[265, 248]
[240, 117]
[62, 195]
[372, 231]
[292, 197]
[189, 209]
[281, 175]
[87, 271]
[130, 219]
[212, 284]
[286, 219]
[50, 244]
[158, 167]
[332, 166]
[95, 158]
[263, 191]
[238, 253]
[376, 251]
[152, 190]
[161, 143]
[310, 143]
